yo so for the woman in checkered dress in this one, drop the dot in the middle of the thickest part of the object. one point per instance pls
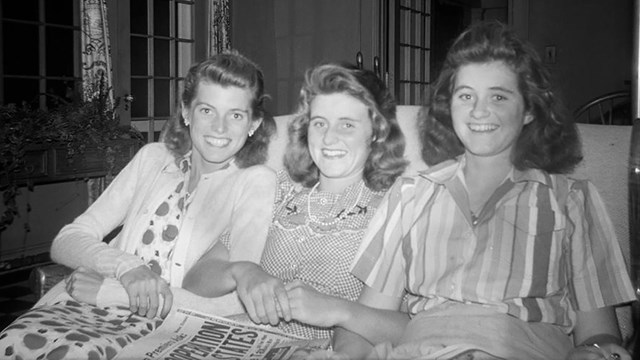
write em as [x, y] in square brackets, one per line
[345, 149]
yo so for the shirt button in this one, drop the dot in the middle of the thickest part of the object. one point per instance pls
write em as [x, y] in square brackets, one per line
[475, 222]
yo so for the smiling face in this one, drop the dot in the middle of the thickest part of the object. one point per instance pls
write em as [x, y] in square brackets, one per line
[340, 131]
[487, 109]
[219, 120]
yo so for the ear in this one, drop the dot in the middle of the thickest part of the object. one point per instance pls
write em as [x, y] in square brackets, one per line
[255, 124]
[528, 117]
[185, 112]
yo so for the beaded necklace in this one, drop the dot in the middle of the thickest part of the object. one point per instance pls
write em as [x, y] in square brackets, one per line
[342, 215]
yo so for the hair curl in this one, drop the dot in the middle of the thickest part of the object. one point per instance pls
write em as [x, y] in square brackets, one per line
[226, 69]
[385, 161]
[550, 142]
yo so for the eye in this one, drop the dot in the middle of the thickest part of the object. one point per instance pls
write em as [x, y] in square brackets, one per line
[348, 125]
[317, 123]
[465, 96]
[499, 97]
[237, 116]
[206, 111]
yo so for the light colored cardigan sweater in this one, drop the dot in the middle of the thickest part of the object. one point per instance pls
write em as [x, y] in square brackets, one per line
[232, 200]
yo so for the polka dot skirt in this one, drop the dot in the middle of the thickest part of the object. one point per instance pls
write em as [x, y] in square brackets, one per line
[71, 330]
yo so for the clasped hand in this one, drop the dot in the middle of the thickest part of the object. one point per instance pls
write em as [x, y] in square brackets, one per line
[143, 287]
[268, 300]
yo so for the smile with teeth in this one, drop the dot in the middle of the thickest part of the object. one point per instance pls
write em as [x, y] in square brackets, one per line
[218, 142]
[333, 153]
[482, 127]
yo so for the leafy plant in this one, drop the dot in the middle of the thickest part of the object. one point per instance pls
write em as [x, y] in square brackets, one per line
[76, 125]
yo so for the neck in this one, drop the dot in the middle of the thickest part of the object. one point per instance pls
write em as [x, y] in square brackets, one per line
[483, 175]
[480, 167]
[337, 185]
[199, 167]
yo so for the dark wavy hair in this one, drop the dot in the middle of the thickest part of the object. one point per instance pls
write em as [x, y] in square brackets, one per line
[550, 142]
[385, 161]
[226, 69]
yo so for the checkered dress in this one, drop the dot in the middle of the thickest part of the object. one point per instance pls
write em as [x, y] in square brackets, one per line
[319, 253]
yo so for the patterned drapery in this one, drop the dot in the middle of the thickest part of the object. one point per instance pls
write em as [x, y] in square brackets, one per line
[220, 26]
[96, 51]
[96, 65]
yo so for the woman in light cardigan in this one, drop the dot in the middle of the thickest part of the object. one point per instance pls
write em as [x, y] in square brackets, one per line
[175, 201]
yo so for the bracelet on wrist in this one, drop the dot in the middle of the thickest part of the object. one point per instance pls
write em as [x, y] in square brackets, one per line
[609, 356]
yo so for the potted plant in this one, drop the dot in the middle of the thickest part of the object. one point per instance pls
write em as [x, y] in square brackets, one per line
[70, 136]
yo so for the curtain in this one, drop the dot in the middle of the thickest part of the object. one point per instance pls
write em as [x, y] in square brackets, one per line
[220, 26]
[96, 65]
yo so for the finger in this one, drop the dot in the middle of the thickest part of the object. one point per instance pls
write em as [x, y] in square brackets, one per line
[283, 303]
[293, 284]
[154, 296]
[132, 291]
[168, 301]
[271, 309]
[249, 306]
[143, 300]
[261, 311]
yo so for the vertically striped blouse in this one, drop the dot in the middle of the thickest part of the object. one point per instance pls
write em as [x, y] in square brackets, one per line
[530, 253]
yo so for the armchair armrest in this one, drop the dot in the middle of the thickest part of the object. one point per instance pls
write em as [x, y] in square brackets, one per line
[43, 278]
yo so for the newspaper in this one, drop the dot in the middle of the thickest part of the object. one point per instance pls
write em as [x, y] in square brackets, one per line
[191, 335]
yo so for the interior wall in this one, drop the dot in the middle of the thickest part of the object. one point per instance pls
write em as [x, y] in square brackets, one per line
[593, 45]
[286, 37]
[253, 34]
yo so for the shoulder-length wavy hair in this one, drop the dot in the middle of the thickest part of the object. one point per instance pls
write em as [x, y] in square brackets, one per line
[550, 142]
[226, 69]
[385, 161]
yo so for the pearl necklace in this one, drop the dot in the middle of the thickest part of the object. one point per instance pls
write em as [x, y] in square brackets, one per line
[338, 217]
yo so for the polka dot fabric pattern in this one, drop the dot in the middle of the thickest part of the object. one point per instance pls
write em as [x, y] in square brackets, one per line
[71, 330]
[159, 240]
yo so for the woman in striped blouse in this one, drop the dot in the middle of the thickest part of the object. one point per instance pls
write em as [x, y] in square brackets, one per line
[492, 252]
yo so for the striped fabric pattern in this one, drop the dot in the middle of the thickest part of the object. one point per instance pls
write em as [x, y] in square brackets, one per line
[542, 247]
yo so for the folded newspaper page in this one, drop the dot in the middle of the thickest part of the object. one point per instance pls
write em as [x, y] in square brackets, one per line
[191, 335]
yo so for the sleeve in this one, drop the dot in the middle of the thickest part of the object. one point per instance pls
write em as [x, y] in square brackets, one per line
[112, 293]
[379, 262]
[598, 274]
[252, 214]
[80, 243]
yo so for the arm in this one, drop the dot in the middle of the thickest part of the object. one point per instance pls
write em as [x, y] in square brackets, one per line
[88, 286]
[598, 327]
[375, 318]
[256, 289]
[91, 288]
[80, 243]
[599, 276]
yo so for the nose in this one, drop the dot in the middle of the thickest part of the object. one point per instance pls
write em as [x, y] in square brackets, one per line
[219, 124]
[330, 135]
[480, 108]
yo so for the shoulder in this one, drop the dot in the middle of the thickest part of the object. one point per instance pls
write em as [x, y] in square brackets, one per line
[152, 156]
[258, 173]
[285, 186]
[258, 177]
[155, 150]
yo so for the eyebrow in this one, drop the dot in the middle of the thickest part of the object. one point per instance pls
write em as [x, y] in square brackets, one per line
[499, 88]
[197, 103]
